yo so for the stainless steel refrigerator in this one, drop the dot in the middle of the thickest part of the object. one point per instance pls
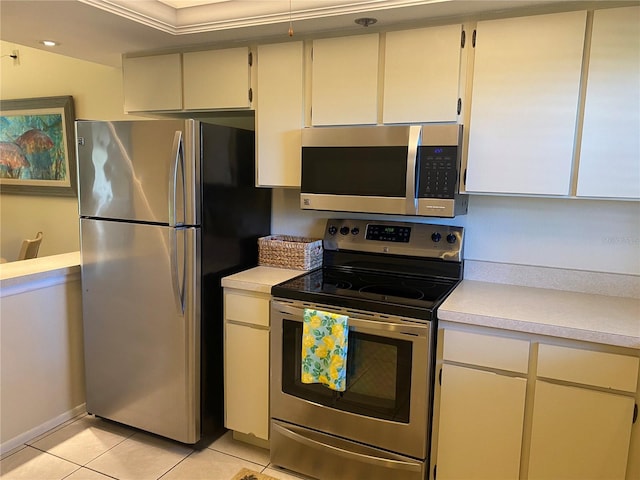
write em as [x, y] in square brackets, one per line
[167, 208]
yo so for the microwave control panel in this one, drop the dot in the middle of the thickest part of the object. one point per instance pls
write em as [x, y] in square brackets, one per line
[437, 172]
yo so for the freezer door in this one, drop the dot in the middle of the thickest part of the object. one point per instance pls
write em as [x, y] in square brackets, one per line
[144, 171]
[141, 311]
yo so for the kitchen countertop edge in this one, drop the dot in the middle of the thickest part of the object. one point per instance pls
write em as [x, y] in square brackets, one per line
[260, 279]
[568, 315]
[25, 275]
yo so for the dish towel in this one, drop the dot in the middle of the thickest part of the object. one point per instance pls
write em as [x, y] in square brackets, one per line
[324, 348]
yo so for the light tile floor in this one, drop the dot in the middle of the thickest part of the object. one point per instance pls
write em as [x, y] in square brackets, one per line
[89, 448]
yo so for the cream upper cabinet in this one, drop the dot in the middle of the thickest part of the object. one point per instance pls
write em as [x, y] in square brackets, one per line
[422, 75]
[526, 85]
[344, 83]
[279, 114]
[152, 83]
[217, 79]
[610, 154]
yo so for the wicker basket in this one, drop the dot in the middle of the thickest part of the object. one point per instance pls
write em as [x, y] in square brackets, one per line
[285, 251]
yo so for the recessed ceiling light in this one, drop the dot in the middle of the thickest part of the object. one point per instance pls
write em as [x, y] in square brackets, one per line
[49, 43]
[365, 21]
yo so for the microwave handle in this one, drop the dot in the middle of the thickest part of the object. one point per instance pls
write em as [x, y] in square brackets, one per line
[412, 155]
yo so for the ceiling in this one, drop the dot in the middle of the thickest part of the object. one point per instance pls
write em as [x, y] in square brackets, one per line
[102, 30]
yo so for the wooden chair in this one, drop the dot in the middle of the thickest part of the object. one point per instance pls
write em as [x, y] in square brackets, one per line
[30, 247]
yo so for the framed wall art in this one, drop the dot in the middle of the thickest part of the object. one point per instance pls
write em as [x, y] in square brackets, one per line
[37, 148]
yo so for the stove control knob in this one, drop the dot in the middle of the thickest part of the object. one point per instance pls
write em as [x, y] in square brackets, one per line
[355, 231]
[333, 230]
[435, 236]
[451, 238]
[344, 230]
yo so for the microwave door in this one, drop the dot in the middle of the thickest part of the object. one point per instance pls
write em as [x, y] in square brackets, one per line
[366, 169]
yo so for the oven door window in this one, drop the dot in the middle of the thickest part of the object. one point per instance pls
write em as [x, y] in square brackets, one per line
[378, 375]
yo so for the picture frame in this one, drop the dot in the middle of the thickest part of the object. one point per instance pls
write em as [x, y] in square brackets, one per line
[37, 146]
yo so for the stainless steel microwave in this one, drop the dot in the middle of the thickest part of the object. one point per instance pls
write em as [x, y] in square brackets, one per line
[398, 170]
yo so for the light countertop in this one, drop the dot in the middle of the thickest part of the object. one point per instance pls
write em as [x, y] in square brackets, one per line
[260, 279]
[30, 274]
[578, 316]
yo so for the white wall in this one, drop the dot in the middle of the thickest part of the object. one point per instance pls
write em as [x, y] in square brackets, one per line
[97, 94]
[591, 235]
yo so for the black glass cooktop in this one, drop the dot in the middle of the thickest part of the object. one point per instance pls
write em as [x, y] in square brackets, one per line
[406, 295]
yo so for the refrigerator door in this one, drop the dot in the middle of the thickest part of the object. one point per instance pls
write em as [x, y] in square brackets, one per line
[141, 308]
[143, 171]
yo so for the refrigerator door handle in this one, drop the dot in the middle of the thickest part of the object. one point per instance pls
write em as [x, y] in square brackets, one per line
[178, 285]
[177, 151]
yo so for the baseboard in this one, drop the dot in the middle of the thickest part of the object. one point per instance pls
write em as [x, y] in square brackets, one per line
[251, 439]
[42, 428]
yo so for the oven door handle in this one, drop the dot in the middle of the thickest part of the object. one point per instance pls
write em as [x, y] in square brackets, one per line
[388, 463]
[383, 323]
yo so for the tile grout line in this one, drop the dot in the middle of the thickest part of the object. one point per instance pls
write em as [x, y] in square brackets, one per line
[236, 456]
[165, 473]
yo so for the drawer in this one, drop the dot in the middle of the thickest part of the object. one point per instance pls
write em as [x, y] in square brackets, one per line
[486, 350]
[600, 369]
[251, 309]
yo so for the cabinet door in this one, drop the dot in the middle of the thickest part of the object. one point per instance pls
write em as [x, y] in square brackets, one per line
[480, 424]
[246, 369]
[152, 83]
[422, 75]
[610, 154]
[526, 83]
[279, 114]
[579, 433]
[345, 80]
[217, 79]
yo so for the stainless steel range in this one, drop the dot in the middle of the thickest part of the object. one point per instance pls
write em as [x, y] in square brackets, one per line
[388, 279]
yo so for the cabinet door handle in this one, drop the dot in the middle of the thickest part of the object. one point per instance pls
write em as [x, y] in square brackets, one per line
[635, 413]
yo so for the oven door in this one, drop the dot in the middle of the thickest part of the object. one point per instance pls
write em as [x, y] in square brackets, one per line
[387, 401]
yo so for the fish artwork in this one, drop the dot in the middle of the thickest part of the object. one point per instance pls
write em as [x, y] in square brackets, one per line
[13, 158]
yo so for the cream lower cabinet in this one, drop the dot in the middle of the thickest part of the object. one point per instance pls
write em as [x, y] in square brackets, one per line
[564, 412]
[579, 433]
[480, 431]
[582, 430]
[481, 406]
[246, 362]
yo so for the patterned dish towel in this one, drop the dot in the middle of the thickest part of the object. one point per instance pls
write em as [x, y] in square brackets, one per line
[324, 348]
